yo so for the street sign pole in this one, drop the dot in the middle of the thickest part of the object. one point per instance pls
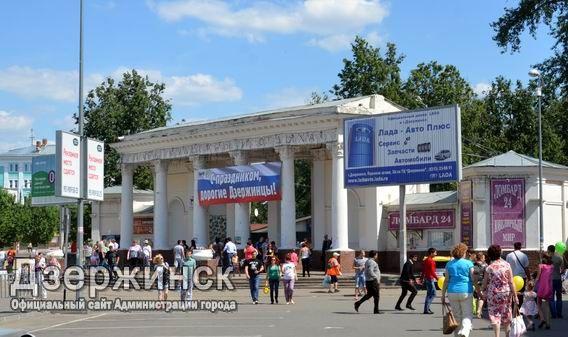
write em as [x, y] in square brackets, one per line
[402, 229]
[83, 160]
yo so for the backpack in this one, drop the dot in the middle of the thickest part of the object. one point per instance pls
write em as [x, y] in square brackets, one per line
[166, 274]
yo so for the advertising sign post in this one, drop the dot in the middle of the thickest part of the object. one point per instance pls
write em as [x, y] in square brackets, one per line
[408, 147]
[507, 212]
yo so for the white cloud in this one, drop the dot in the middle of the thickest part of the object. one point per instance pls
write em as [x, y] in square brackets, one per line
[481, 89]
[331, 21]
[13, 123]
[61, 85]
[286, 97]
[65, 123]
[191, 89]
[57, 85]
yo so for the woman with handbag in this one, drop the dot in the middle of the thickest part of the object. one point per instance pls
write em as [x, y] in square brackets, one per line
[499, 290]
[458, 286]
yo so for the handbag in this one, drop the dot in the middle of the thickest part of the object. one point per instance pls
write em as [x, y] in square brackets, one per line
[326, 281]
[449, 321]
[518, 327]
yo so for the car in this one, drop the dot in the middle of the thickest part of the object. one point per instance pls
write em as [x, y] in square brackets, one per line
[443, 155]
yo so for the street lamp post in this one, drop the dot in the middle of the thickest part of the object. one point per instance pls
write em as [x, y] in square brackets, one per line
[535, 73]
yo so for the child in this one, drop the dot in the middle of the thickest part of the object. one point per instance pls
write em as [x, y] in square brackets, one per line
[188, 268]
[529, 308]
[359, 267]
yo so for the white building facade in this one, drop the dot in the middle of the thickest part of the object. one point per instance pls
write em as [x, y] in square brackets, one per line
[351, 217]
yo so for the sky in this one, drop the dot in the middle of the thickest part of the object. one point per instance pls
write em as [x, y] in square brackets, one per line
[222, 58]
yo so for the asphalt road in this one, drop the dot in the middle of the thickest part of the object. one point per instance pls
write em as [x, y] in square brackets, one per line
[315, 314]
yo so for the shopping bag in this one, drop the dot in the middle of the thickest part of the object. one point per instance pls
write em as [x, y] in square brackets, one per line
[449, 321]
[326, 281]
[266, 289]
[518, 327]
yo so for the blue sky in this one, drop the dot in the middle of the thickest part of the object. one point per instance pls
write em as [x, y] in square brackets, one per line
[226, 58]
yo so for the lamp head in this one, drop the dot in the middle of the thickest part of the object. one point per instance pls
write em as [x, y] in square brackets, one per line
[534, 73]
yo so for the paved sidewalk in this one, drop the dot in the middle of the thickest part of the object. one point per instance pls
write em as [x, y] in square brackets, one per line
[315, 314]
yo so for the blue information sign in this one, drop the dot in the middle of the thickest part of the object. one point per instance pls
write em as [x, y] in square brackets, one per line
[408, 147]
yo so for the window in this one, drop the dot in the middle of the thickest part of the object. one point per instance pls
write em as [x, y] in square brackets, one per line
[25, 184]
[26, 167]
[11, 184]
[15, 184]
[440, 240]
[15, 167]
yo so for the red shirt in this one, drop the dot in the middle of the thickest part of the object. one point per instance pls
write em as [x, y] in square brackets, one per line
[249, 250]
[429, 269]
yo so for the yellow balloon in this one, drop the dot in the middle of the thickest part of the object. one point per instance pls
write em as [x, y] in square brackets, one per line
[518, 282]
[266, 290]
[441, 281]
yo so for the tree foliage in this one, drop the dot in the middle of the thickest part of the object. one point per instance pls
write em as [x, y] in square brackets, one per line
[529, 15]
[24, 223]
[132, 105]
[369, 72]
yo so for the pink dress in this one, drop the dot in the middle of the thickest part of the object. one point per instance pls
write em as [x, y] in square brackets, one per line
[499, 292]
[545, 281]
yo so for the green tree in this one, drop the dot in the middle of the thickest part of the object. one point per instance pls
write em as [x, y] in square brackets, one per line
[433, 84]
[514, 121]
[24, 223]
[133, 105]
[530, 15]
[369, 72]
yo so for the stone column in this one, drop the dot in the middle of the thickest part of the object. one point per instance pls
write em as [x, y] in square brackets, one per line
[200, 223]
[161, 205]
[274, 222]
[339, 218]
[318, 197]
[126, 212]
[242, 210]
[288, 203]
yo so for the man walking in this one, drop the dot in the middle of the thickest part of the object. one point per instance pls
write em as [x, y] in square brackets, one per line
[407, 282]
[519, 262]
[372, 278]
[430, 278]
[557, 269]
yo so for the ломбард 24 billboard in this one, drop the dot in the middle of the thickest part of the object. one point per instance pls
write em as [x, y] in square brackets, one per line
[407, 147]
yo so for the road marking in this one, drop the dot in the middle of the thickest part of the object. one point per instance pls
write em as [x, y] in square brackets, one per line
[212, 336]
[158, 327]
[333, 327]
[65, 323]
[190, 318]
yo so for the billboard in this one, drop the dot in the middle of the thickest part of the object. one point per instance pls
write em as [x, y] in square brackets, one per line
[466, 212]
[507, 212]
[44, 181]
[238, 184]
[435, 219]
[408, 147]
[68, 169]
[95, 169]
